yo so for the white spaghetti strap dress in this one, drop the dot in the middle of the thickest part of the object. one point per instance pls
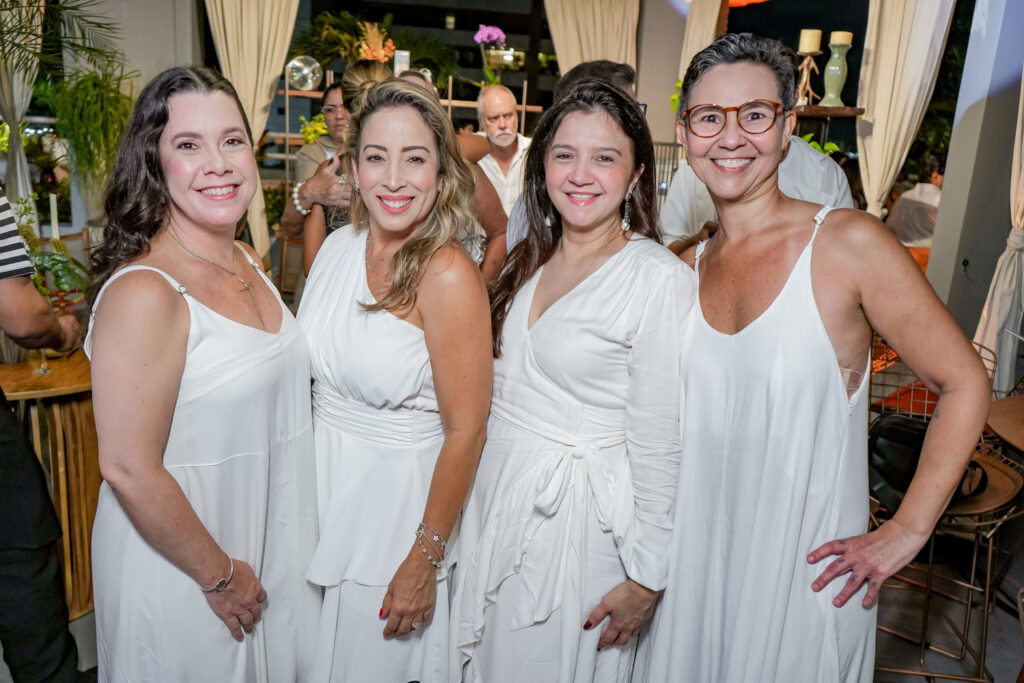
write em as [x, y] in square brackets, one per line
[378, 434]
[774, 465]
[241, 448]
[576, 483]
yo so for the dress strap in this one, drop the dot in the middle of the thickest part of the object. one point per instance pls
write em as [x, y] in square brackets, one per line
[697, 255]
[174, 283]
[247, 257]
[819, 218]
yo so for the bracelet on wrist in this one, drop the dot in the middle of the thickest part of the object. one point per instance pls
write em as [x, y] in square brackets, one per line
[428, 536]
[222, 584]
[296, 202]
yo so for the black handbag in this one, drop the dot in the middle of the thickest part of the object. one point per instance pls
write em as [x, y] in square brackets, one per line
[894, 449]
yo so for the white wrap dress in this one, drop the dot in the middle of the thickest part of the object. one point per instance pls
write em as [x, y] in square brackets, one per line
[575, 488]
[378, 434]
[241, 448]
[774, 465]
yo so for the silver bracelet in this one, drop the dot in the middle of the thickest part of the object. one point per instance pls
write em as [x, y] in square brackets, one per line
[222, 584]
[295, 199]
[431, 540]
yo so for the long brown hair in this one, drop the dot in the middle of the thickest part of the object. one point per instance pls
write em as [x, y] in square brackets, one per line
[136, 201]
[453, 215]
[544, 223]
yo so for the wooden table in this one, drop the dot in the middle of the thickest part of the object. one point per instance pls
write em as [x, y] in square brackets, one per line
[1006, 419]
[59, 406]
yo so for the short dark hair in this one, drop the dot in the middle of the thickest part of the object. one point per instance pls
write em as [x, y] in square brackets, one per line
[933, 164]
[544, 224]
[622, 76]
[732, 48]
[136, 200]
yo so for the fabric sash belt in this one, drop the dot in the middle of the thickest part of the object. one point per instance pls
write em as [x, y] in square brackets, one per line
[385, 426]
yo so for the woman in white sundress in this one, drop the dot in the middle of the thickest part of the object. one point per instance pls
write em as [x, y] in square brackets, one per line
[396, 316]
[206, 519]
[774, 426]
[564, 546]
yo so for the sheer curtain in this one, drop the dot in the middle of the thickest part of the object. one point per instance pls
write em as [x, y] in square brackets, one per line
[702, 27]
[583, 30]
[252, 38]
[1004, 306]
[16, 93]
[902, 51]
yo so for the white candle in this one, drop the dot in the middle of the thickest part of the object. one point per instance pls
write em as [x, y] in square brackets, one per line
[54, 226]
[810, 40]
[840, 38]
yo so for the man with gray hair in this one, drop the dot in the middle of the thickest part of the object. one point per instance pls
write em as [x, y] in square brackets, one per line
[504, 163]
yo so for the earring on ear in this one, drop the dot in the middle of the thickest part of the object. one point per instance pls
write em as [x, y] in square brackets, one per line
[686, 156]
[784, 153]
[549, 221]
[626, 211]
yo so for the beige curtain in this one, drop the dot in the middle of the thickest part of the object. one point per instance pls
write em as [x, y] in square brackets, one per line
[583, 30]
[902, 51]
[252, 38]
[701, 29]
[1004, 307]
[16, 93]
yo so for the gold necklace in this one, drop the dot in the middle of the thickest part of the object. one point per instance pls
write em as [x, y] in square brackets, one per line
[246, 285]
[366, 255]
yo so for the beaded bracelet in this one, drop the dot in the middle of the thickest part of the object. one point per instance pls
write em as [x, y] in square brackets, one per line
[222, 584]
[435, 537]
[295, 200]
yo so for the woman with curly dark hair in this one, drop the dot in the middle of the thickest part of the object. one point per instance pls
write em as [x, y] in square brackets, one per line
[207, 515]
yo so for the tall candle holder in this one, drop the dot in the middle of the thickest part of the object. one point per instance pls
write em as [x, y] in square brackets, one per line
[835, 69]
[805, 94]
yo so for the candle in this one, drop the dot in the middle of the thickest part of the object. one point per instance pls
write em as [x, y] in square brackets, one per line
[54, 227]
[840, 38]
[810, 40]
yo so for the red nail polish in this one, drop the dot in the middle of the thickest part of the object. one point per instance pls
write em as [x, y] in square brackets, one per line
[381, 612]
[587, 626]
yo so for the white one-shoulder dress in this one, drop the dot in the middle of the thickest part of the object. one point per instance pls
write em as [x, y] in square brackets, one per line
[774, 465]
[241, 448]
[378, 434]
[576, 483]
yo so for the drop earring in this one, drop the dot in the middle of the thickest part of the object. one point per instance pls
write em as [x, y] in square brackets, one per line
[626, 212]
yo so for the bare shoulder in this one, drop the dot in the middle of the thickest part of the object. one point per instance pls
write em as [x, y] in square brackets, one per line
[854, 233]
[449, 268]
[143, 302]
[248, 249]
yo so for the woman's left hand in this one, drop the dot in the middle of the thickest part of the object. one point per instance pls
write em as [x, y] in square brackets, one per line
[409, 601]
[629, 606]
[870, 558]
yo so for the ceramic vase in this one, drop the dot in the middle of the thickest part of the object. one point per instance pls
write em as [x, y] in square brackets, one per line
[835, 76]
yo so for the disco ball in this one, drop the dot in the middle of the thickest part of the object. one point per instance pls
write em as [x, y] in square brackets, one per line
[304, 73]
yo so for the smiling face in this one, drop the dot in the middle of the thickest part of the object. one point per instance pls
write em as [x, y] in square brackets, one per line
[735, 163]
[208, 161]
[588, 169]
[397, 167]
[335, 115]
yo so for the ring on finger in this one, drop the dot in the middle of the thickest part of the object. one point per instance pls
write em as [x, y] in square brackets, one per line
[417, 625]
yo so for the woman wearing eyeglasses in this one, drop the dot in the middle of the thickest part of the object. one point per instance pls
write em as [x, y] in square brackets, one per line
[773, 576]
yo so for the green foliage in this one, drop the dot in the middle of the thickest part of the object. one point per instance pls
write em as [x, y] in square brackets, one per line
[427, 52]
[827, 149]
[274, 199]
[332, 36]
[33, 31]
[92, 111]
[675, 98]
[67, 273]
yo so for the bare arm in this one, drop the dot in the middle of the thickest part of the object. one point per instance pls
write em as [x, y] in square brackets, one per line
[135, 387]
[313, 236]
[453, 305]
[900, 304]
[30, 321]
[488, 204]
[473, 147]
[494, 258]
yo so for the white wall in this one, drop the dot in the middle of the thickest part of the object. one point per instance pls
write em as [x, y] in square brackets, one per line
[659, 44]
[974, 217]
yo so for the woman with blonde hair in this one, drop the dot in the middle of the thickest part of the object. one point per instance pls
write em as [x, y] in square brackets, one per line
[397, 319]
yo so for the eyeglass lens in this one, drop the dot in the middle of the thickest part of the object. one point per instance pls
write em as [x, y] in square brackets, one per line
[753, 117]
[329, 110]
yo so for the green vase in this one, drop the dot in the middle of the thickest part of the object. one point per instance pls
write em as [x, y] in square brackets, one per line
[835, 76]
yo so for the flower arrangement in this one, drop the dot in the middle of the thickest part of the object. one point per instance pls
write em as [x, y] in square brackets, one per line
[372, 44]
[312, 129]
[489, 38]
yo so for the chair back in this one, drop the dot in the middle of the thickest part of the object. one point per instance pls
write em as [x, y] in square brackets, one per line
[290, 265]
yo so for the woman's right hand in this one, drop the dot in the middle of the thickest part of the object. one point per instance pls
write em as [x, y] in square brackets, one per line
[239, 605]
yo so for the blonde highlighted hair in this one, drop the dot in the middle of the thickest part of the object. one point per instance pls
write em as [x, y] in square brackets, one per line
[453, 215]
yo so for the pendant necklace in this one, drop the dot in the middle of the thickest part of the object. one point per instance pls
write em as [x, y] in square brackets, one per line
[246, 285]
